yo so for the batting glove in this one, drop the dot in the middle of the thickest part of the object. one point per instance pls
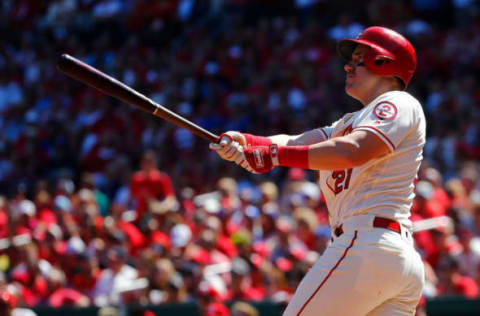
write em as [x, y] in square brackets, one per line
[228, 148]
[262, 159]
[231, 150]
[233, 146]
[236, 136]
[246, 140]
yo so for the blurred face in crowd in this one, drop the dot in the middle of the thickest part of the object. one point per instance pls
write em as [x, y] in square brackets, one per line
[207, 240]
[440, 237]
[87, 265]
[268, 223]
[149, 162]
[29, 254]
[303, 230]
[464, 237]
[445, 273]
[161, 273]
[115, 261]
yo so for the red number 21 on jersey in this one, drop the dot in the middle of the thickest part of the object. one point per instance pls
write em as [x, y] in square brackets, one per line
[342, 180]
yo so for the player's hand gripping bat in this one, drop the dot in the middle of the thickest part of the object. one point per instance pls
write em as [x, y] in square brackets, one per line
[95, 78]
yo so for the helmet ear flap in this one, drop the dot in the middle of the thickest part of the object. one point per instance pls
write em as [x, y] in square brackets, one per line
[379, 63]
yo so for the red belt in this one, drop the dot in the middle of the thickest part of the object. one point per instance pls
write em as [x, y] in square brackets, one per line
[379, 222]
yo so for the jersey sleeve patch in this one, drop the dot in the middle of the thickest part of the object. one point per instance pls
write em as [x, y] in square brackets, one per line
[385, 110]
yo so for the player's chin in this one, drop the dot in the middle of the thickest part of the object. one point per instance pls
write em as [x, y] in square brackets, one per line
[352, 92]
[349, 89]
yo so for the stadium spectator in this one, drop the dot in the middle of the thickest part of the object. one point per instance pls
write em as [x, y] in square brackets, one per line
[59, 295]
[452, 281]
[151, 189]
[111, 280]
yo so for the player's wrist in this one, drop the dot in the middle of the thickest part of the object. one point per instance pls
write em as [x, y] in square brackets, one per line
[290, 156]
[254, 140]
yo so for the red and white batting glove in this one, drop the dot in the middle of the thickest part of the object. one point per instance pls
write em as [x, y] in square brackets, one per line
[263, 159]
[228, 148]
[245, 139]
[253, 140]
[231, 150]
[257, 154]
[235, 136]
[259, 158]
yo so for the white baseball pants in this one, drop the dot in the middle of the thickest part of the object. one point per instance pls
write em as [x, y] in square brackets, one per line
[365, 271]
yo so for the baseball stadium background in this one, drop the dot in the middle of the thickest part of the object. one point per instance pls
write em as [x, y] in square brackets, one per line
[85, 231]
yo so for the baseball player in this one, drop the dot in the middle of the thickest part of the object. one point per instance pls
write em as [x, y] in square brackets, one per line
[368, 161]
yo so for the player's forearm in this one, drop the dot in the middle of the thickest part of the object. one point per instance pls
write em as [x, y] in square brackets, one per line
[308, 138]
[282, 139]
[334, 154]
[338, 153]
[246, 139]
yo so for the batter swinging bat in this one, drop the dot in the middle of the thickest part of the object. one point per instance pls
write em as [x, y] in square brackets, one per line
[95, 78]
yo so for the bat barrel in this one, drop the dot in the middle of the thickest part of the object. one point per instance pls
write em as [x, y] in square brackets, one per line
[110, 86]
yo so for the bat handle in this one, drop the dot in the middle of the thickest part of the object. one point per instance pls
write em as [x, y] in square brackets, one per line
[178, 120]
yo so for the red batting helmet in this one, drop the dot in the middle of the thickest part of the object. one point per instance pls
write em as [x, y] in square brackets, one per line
[390, 53]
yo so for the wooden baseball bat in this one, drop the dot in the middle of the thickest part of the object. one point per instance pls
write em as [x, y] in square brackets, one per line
[93, 77]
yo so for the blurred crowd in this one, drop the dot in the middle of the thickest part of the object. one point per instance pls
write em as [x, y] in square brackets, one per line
[103, 204]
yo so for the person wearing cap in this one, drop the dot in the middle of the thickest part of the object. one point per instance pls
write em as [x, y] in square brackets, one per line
[117, 274]
[151, 188]
[367, 163]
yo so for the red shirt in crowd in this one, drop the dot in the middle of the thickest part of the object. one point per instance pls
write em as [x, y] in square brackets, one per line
[461, 285]
[3, 224]
[65, 297]
[151, 185]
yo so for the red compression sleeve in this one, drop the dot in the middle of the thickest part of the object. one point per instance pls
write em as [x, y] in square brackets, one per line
[253, 140]
[293, 156]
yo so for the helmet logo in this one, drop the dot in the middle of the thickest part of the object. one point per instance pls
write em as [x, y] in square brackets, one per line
[385, 110]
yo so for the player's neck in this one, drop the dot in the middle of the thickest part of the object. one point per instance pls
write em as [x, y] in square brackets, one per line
[376, 92]
[382, 86]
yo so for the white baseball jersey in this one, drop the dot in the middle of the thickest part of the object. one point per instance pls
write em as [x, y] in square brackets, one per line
[382, 186]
